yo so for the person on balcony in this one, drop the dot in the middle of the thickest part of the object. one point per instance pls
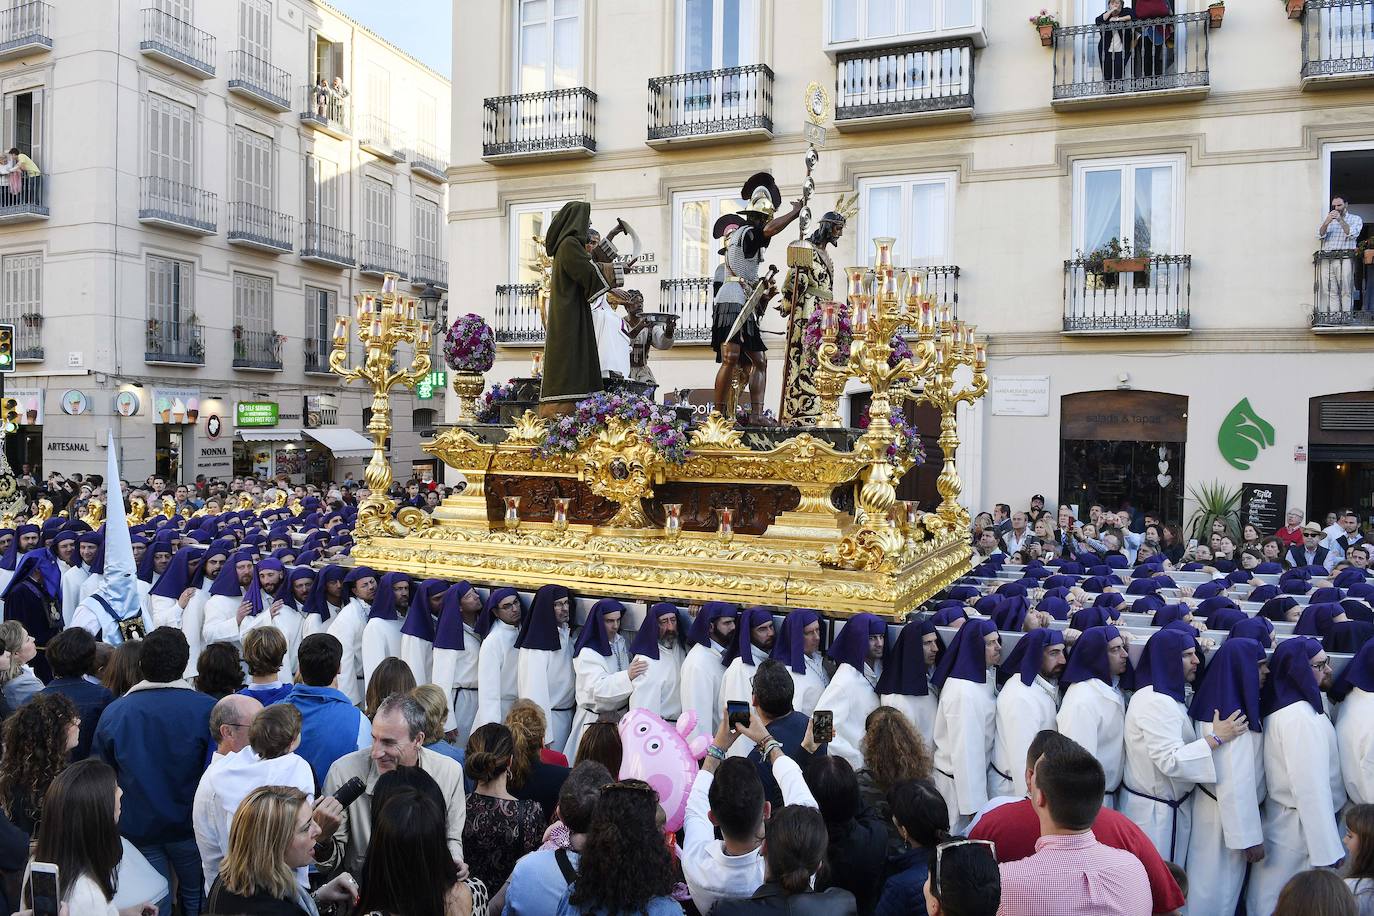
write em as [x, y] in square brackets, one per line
[1339, 232]
[1155, 40]
[1116, 44]
[21, 176]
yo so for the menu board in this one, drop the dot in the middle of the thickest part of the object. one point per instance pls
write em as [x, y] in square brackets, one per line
[1263, 505]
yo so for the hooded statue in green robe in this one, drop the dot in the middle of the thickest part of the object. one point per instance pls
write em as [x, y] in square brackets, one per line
[572, 369]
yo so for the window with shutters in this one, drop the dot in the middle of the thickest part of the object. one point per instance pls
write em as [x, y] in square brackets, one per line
[321, 305]
[178, 9]
[171, 141]
[22, 278]
[255, 28]
[171, 309]
[253, 302]
[322, 192]
[377, 210]
[327, 61]
[426, 228]
[24, 123]
[252, 168]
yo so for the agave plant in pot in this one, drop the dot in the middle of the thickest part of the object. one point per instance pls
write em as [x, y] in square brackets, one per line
[469, 350]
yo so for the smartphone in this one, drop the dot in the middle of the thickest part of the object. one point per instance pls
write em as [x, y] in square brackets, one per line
[1192, 543]
[738, 713]
[823, 726]
[350, 791]
[44, 888]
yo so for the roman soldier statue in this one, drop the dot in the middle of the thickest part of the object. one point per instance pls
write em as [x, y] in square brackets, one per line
[810, 281]
[741, 295]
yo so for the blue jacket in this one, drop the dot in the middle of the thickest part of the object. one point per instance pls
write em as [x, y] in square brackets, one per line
[267, 694]
[903, 894]
[789, 731]
[157, 739]
[90, 701]
[329, 726]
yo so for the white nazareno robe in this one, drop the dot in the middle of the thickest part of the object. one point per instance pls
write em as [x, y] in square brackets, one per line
[455, 670]
[1226, 822]
[808, 686]
[1094, 715]
[545, 676]
[965, 729]
[603, 688]
[289, 621]
[702, 676]
[381, 640]
[347, 627]
[496, 674]
[1022, 712]
[920, 711]
[851, 697]
[737, 685]
[1355, 738]
[659, 689]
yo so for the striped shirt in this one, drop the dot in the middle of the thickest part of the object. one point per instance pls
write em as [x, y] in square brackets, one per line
[1075, 874]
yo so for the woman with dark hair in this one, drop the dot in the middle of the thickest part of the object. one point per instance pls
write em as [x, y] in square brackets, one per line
[601, 742]
[625, 868]
[1316, 892]
[1359, 861]
[793, 851]
[122, 670]
[80, 835]
[391, 676]
[857, 850]
[409, 870]
[38, 742]
[499, 828]
[218, 671]
[919, 813]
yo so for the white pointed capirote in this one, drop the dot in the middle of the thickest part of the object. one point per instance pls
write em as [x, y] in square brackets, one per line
[114, 611]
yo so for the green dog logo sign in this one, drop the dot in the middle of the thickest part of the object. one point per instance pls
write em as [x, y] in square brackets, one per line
[1243, 435]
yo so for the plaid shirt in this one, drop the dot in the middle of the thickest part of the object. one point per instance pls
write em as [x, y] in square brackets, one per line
[1075, 874]
[1337, 238]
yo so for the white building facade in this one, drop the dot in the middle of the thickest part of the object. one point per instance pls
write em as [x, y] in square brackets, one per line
[206, 207]
[1236, 351]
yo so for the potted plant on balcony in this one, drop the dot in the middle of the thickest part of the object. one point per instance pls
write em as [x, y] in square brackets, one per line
[1295, 8]
[1216, 11]
[1045, 23]
[32, 319]
[154, 335]
[1366, 249]
[1125, 259]
[470, 351]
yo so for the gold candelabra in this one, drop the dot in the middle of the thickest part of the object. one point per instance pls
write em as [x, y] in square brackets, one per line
[881, 301]
[385, 320]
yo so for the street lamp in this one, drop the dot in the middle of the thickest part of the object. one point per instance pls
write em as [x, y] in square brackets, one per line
[430, 299]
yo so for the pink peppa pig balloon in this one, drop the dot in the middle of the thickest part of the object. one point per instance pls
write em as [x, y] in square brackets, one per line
[656, 752]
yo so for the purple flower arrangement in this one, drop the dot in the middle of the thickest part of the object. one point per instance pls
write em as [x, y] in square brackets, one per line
[469, 345]
[908, 443]
[489, 405]
[844, 337]
[660, 427]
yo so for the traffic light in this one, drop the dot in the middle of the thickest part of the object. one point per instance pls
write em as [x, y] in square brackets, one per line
[10, 408]
[6, 348]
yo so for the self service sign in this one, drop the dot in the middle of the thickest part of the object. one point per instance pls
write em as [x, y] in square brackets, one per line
[255, 413]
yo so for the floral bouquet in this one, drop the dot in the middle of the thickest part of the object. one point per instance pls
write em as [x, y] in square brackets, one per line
[469, 345]
[659, 426]
[1044, 17]
[908, 445]
[812, 337]
[489, 405]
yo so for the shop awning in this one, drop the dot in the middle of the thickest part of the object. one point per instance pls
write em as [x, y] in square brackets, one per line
[270, 435]
[342, 441]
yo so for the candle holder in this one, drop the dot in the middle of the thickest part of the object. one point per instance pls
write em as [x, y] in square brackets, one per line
[537, 364]
[672, 522]
[512, 513]
[384, 322]
[560, 513]
[726, 530]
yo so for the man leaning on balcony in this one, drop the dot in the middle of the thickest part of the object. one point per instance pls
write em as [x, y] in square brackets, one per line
[1339, 232]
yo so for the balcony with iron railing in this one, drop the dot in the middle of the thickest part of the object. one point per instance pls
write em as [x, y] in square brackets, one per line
[429, 269]
[326, 245]
[1156, 60]
[256, 79]
[1147, 295]
[176, 343]
[324, 110]
[688, 298]
[378, 258]
[28, 334]
[254, 226]
[26, 204]
[942, 285]
[380, 137]
[172, 205]
[711, 106]
[557, 124]
[317, 351]
[430, 161]
[1337, 43]
[178, 44]
[927, 82]
[517, 315]
[258, 350]
[25, 28]
[1340, 291]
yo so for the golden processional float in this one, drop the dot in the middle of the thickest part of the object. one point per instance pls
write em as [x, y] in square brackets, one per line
[786, 517]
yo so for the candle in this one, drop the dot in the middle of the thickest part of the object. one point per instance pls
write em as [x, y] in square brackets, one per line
[946, 315]
[981, 356]
[424, 337]
[398, 307]
[341, 327]
[861, 318]
[377, 327]
[827, 316]
[389, 284]
[410, 309]
[364, 306]
[968, 336]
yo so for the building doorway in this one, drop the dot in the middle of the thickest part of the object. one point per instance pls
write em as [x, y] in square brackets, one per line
[1340, 469]
[1112, 447]
[168, 454]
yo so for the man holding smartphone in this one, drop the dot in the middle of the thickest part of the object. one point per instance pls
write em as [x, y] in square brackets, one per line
[1339, 232]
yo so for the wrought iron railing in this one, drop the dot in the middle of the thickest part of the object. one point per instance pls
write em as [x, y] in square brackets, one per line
[689, 298]
[317, 354]
[256, 350]
[912, 79]
[1121, 58]
[30, 197]
[26, 24]
[517, 314]
[380, 258]
[539, 122]
[1154, 298]
[428, 156]
[429, 268]
[260, 226]
[1340, 290]
[1338, 38]
[174, 342]
[326, 243]
[169, 201]
[257, 76]
[321, 106]
[28, 332]
[166, 34]
[711, 102]
[378, 133]
[942, 284]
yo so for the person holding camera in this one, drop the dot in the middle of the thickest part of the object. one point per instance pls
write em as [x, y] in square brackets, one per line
[1339, 232]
